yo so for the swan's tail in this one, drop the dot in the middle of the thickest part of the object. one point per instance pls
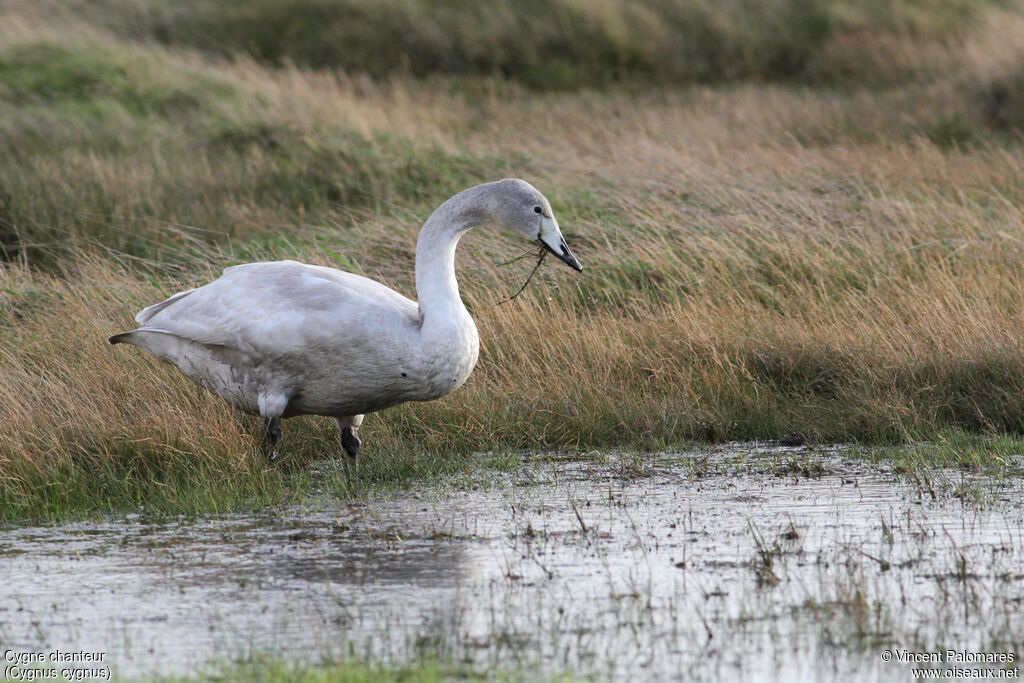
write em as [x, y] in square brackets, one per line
[123, 338]
[211, 365]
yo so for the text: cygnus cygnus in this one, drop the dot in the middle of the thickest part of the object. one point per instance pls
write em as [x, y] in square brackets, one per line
[284, 338]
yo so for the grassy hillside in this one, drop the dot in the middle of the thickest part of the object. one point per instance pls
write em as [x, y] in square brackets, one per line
[567, 43]
[762, 258]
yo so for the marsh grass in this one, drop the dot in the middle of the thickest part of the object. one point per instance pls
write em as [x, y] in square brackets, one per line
[761, 260]
[275, 670]
[148, 155]
[568, 44]
[999, 455]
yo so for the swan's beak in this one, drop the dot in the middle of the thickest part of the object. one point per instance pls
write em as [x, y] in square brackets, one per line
[551, 239]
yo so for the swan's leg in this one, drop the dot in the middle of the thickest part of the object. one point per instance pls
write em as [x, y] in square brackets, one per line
[272, 406]
[349, 427]
[271, 435]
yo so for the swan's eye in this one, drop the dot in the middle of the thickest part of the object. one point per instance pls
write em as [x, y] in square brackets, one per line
[537, 209]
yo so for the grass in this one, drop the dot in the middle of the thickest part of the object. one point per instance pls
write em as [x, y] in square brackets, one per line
[151, 155]
[768, 257]
[273, 670]
[568, 44]
[953, 449]
[280, 671]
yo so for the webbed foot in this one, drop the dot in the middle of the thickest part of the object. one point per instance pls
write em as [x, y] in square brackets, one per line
[350, 441]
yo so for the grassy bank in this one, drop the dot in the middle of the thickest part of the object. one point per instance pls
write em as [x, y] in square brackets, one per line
[567, 43]
[762, 260]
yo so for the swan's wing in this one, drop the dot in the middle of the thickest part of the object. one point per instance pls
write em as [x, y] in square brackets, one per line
[148, 312]
[277, 308]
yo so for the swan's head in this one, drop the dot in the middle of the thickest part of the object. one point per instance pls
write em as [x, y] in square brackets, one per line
[521, 208]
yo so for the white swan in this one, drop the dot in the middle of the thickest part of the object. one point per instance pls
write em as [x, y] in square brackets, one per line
[284, 338]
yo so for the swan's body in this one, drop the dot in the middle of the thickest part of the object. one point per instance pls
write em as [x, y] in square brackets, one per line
[309, 339]
[284, 338]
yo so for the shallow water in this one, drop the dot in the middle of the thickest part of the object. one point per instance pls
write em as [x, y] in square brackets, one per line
[741, 562]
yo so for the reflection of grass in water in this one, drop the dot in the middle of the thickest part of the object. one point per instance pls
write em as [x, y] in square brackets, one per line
[696, 574]
[836, 593]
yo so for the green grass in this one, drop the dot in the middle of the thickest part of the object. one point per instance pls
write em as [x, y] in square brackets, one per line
[567, 44]
[270, 670]
[158, 159]
[144, 480]
[1000, 454]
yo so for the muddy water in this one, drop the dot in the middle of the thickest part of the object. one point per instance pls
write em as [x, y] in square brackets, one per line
[743, 562]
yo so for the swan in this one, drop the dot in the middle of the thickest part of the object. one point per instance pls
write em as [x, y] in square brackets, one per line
[280, 339]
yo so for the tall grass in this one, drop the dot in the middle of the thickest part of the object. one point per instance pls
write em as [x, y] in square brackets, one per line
[150, 153]
[761, 260]
[568, 43]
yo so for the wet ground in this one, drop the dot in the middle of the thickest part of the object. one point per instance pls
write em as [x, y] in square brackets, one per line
[740, 562]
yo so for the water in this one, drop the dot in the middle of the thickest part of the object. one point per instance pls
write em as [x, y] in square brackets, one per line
[742, 562]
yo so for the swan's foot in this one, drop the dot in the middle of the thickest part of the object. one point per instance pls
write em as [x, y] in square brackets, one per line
[350, 441]
[271, 435]
[349, 428]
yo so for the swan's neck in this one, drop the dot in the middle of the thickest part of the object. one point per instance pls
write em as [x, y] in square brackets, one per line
[436, 286]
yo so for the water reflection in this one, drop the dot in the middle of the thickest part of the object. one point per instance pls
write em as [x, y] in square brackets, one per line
[728, 564]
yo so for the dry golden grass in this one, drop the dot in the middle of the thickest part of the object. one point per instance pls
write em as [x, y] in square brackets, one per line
[760, 260]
